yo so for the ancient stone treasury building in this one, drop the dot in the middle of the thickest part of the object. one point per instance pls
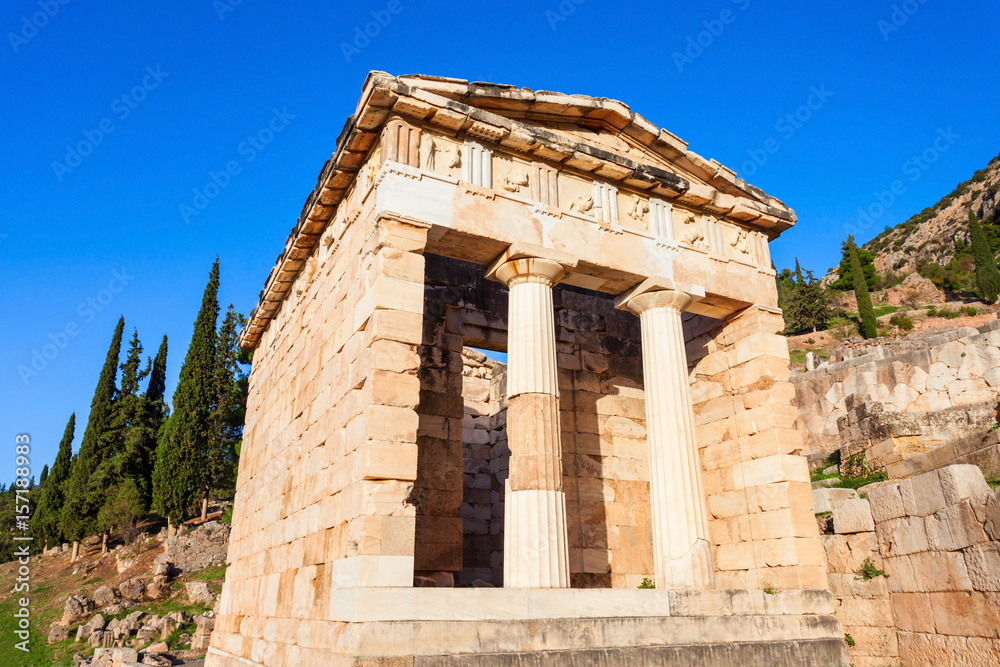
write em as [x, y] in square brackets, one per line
[403, 500]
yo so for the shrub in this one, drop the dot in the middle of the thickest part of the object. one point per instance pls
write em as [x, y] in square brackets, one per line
[903, 322]
[948, 314]
[970, 311]
[869, 571]
[647, 583]
[849, 640]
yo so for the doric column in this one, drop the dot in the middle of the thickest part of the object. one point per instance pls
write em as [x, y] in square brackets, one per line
[536, 544]
[681, 551]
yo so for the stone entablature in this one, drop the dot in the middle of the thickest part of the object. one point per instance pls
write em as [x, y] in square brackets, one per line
[613, 147]
[438, 226]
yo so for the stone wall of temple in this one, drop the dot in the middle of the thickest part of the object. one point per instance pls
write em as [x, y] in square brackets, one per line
[485, 466]
[762, 526]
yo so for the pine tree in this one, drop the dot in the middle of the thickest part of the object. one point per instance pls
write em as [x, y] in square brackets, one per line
[83, 497]
[44, 476]
[807, 306]
[180, 471]
[987, 276]
[865, 308]
[45, 523]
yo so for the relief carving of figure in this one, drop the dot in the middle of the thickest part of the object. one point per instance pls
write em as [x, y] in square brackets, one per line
[453, 157]
[515, 179]
[582, 204]
[428, 152]
[639, 209]
[692, 234]
[739, 239]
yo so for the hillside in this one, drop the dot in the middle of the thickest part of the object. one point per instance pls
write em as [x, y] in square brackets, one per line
[930, 236]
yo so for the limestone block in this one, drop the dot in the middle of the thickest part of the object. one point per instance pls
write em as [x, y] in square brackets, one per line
[781, 495]
[912, 612]
[983, 563]
[959, 482]
[851, 585]
[917, 378]
[922, 495]
[823, 499]
[979, 359]
[865, 611]
[973, 390]
[783, 523]
[116, 656]
[992, 377]
[941, 375]
[846, 553]
[953, 528]
[952, 354]
[901, 537]
[941, 571]
[852, 516]
[932, 649]
[902, 396]
[966, 614]
[778, 468]
[886, 503]
[792, 551]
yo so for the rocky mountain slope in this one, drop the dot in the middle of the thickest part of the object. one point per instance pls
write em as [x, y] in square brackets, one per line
[931, 234]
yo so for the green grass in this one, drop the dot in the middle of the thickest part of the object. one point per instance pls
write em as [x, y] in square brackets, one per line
[868, 571]
[216, 573]
[40, 653]
[858, 482]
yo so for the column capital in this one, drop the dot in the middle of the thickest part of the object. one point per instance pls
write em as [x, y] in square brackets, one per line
[659, 292]
[523, 262]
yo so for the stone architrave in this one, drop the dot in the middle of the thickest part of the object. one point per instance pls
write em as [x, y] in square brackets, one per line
[536, 543]
[681, 548]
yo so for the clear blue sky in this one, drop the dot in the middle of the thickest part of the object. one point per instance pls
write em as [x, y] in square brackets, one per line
[207, 83]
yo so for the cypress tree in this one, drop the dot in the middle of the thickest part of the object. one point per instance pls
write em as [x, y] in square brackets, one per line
[158, 374]
[45, 474]
[180, 470]
[987, 276]
[82, 496]
[229, 407]
[807, 305]
[845, 282]
[134, 441]
[865, 308]
[45, 523]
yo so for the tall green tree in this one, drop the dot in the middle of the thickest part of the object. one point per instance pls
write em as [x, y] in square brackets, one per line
[987, 276]
[179, 472]
[229, 405]
[865, 308]
[845, 283]
[83, 497]
[158, 381]
[45, 474]
[134, 442]
[46, 521]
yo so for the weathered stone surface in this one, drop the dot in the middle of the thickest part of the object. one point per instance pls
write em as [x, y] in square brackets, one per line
[76, 609]
[58, 633]
[959, 482]
[199, 591]
[132, 589]
[104, 596]
[852, 516]
[824, 499]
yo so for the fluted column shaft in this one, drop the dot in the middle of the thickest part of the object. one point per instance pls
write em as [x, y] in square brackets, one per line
[536, 544]
[683, 557]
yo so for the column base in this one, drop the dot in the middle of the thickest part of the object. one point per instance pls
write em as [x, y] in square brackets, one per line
[692, 570]
[536, 549]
